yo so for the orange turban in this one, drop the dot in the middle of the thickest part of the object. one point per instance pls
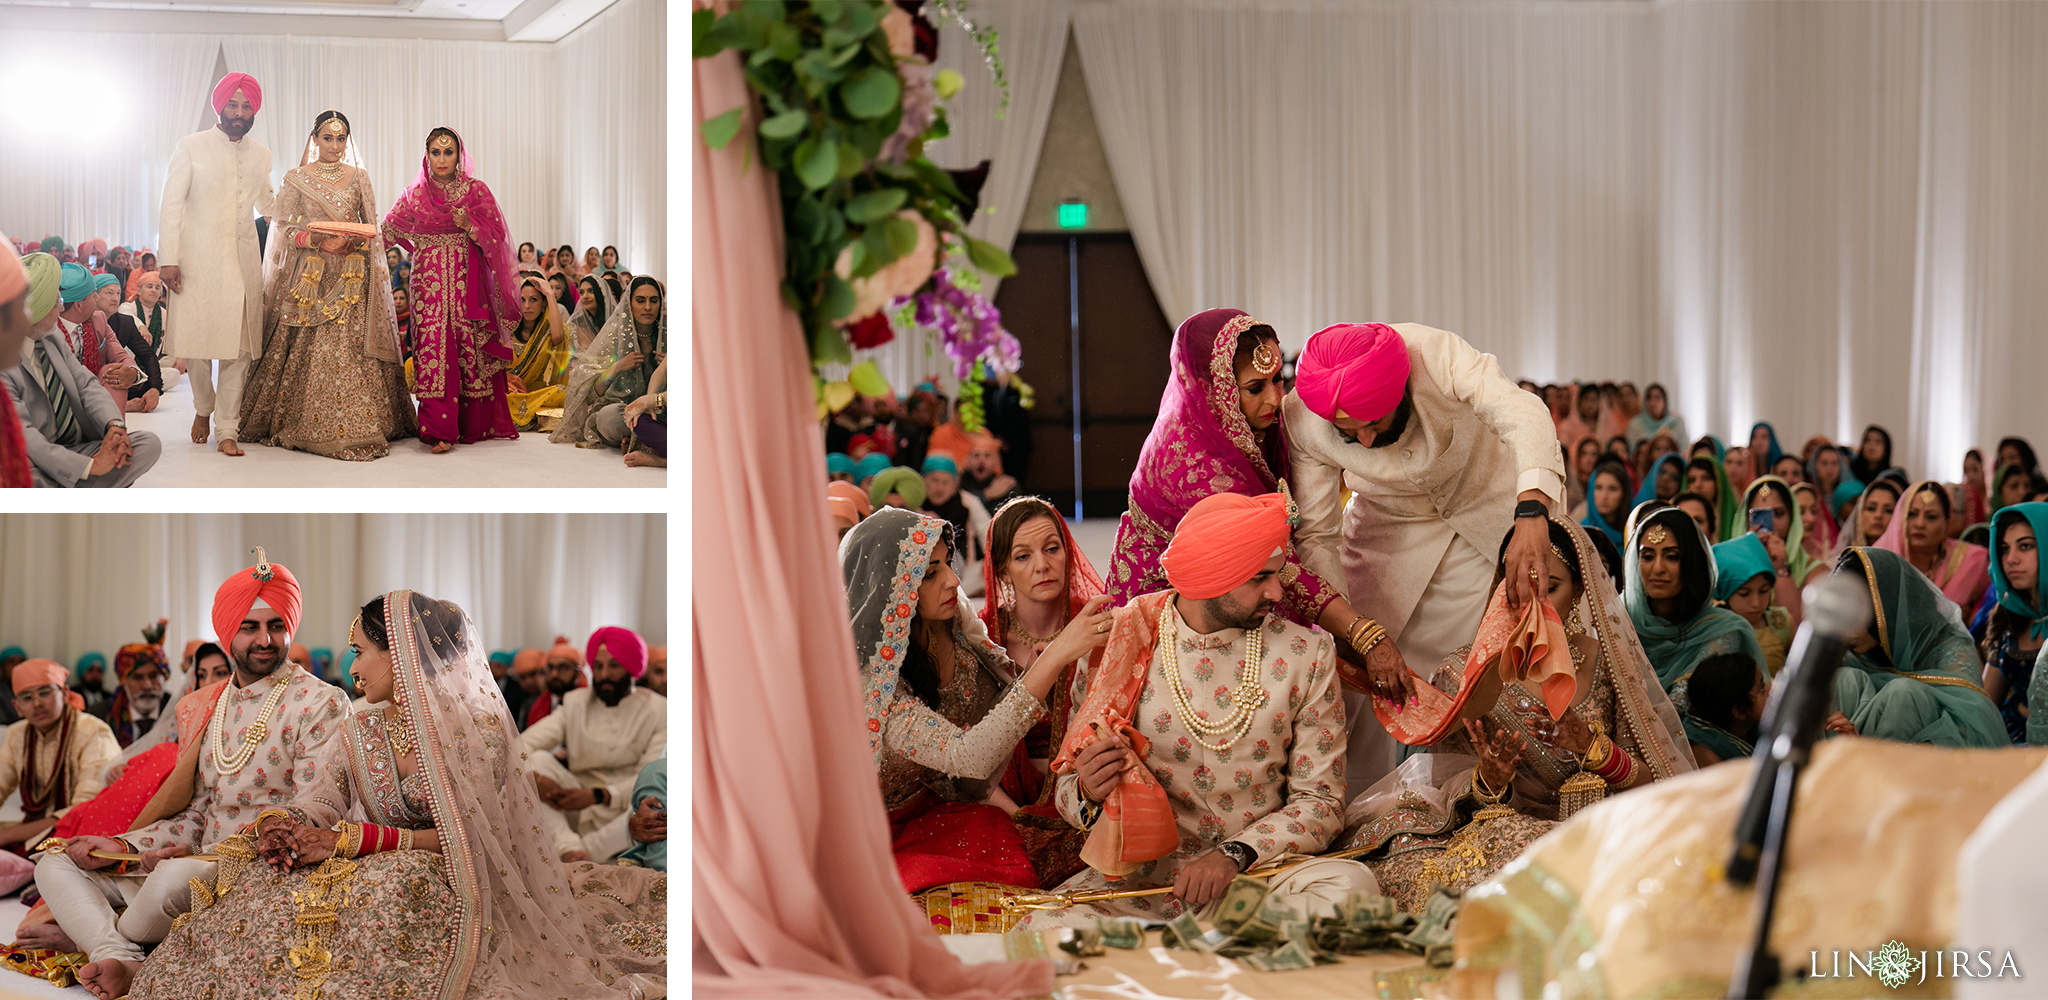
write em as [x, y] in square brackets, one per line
[855, 495]
[36, 673]
[562, 648]
[268, 581]
[524, 657]
[1222, 542]
[192, 649]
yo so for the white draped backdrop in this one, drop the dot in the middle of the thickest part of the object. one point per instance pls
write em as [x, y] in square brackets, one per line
[1818, 214]
[568, 135]
[79, 582]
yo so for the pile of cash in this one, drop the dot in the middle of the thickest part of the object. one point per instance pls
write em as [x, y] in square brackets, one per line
[1271, 935]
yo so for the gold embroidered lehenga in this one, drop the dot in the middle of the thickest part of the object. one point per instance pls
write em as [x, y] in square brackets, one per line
[329, 380]
[492, 914]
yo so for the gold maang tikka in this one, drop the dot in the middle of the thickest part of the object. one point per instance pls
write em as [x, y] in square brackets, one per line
[1266, 358]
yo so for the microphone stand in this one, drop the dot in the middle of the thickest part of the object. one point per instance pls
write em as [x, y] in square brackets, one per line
[1794, 719]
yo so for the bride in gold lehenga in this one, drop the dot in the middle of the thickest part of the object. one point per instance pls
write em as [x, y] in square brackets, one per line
[329, 380]
[1452, 817]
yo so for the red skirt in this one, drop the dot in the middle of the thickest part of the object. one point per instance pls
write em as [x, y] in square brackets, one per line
[959, 842]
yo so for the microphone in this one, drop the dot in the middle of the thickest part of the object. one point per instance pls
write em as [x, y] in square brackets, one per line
[1836, 608]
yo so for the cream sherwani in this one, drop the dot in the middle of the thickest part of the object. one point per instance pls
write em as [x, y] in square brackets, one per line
[608, 745]
[92, 748]
[1277, 790]
[1416, 548]
[215, 190]
[285, 771]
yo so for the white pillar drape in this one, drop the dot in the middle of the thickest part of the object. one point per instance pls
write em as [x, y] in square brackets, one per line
[1822, 215]
[79, 582]
[613, 115]
[1032, 39]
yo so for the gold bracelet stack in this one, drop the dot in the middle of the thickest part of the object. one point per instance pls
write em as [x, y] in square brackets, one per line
[1479, 790]
[351, 842]
[1596, 755]
[404, 839]
[1363, 633]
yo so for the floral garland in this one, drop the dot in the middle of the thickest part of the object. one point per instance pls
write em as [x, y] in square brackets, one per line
[850, 101]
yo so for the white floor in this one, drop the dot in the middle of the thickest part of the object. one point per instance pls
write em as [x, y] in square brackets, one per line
[530, 461]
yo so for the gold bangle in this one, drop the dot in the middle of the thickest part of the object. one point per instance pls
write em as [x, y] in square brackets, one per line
[266, 814]
[1480, 792]
[1597, 754]
[405, 840]
[351, 841]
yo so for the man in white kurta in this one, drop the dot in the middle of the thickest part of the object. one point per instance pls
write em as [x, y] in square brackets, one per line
[209, 256]
[611, 730]
[1445, 455]
[54, 733]
[1275, 787]
[237, 781]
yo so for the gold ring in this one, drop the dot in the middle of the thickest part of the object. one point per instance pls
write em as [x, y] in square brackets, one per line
[1102, 628]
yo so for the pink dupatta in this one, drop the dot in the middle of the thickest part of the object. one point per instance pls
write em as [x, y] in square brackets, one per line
[1964, 570]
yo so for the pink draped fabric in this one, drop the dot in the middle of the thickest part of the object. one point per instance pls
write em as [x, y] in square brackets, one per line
[1963, 571]
[794, 890]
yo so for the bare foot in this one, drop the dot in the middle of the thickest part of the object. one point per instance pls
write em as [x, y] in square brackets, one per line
[47, 936]
[646, 459]
[444, 447]
[201, 428]
[229, 447]
[571, 857]
[108, 979]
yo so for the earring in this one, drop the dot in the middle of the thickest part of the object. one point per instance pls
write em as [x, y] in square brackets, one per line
[1007, 594]
[1573, 625]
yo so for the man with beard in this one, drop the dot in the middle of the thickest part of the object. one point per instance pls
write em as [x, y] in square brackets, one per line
[140, 669]
[1446, 458]
[524, 683]
[264, 762]
[57, 757]
[611, 730]
[1228, 716]
[564, 674]
[219, 182]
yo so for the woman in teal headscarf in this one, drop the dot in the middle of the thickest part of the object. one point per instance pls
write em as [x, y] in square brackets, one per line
[1727, 505]
[2014, 634]
[1912, 675]
[1666, 479]
[1764, 451]
[1608, 485]
[1775, 495]
[1669, 596]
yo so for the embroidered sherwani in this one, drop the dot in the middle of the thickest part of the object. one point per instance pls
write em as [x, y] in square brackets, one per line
[216, 188]
[1278, 790]
[608, 745]
[287, 770]
[92, 748]
[1416, 546]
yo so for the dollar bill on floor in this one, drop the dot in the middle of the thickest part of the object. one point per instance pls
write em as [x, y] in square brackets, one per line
[1085, 942]
[1185, 933]
[1240, 903]
[1434, 929]
[1121, 932]
[1285, 958]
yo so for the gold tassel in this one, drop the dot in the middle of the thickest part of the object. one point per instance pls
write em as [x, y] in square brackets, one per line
[1579, 791]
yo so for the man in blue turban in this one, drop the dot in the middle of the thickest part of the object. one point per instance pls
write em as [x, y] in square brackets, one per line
[93, 340]
[75, 433]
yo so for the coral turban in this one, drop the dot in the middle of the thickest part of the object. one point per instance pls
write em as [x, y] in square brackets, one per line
[626, 645]
[524, 657]
[45, 276]
[562, 648]
[192, 649]
[842, 507]
[853, 495]
[232, 82]
[1360, 368]
[13, 278]
[1222, 542]
[266, 581]
[36, 673]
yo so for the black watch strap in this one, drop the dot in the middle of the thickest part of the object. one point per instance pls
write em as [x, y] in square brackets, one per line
[1531, 508]
[1239, 853]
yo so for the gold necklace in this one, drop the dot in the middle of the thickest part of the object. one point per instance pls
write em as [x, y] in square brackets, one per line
[330, 171]
[226, 763]
[1012, 623]
[403, 743]
[1244, 705]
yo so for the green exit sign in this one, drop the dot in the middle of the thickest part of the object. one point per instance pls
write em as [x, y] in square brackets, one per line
[1073, 215]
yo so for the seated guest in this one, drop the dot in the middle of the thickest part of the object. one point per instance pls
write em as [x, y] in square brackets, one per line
[1706, 477]
[2012, 636]
[76, 435]
[93, 341]
[149, 311]
[1670, 599]
[1875, 507]
[1607, 495]
[610, 259]
[1702, 511]
[500, 663]
[611, 730]
[1740, 467]
[1223, 567]
[209, 665]
[897, 487]
[615, 370]
[523, 683]
[944, 721]
[838, 467]
[143, 394]
[1816, 526]
[648, 827]
[647, 420]
[398, 265]
[1919, 535]
[655, 679]
[564, 665]
[1912, 674]
[964, 511]
[1746, 583]
[541, 369]
[594, 304]
[844, 515]
[982, 473]
[1665, 481]
[867, 467]
[57, 759]
[592, 263]
[1621, 730]
[89, 681]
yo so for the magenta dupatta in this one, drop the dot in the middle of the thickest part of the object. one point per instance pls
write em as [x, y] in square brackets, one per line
[1202, 445]
[444, 261]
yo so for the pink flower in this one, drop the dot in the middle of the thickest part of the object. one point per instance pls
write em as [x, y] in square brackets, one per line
[899, 278]
[902, 34]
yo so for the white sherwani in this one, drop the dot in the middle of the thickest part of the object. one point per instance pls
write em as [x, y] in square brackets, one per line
[92, 748]
[608, 745]
[283, 772]
[1417, 546]
[216, 189]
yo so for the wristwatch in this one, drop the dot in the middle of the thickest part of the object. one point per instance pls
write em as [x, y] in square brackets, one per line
[1238, 853]
[1531, 508]
[603, 796]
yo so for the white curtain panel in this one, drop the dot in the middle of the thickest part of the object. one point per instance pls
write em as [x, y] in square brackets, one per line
[569, 136]
[1822, 215]
[1031, 40]
[79, 582]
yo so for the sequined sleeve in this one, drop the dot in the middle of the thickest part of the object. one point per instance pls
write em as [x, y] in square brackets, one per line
[1314, 813]
[924, 736]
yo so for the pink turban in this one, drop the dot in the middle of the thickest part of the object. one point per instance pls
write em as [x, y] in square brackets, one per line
[1360, 368]
[1222, 542]
[626, 645]
[232, 82]
[269, 581]
[36, 673]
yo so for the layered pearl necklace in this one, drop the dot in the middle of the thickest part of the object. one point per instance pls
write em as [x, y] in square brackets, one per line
[1244, 703]
[231, 764]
